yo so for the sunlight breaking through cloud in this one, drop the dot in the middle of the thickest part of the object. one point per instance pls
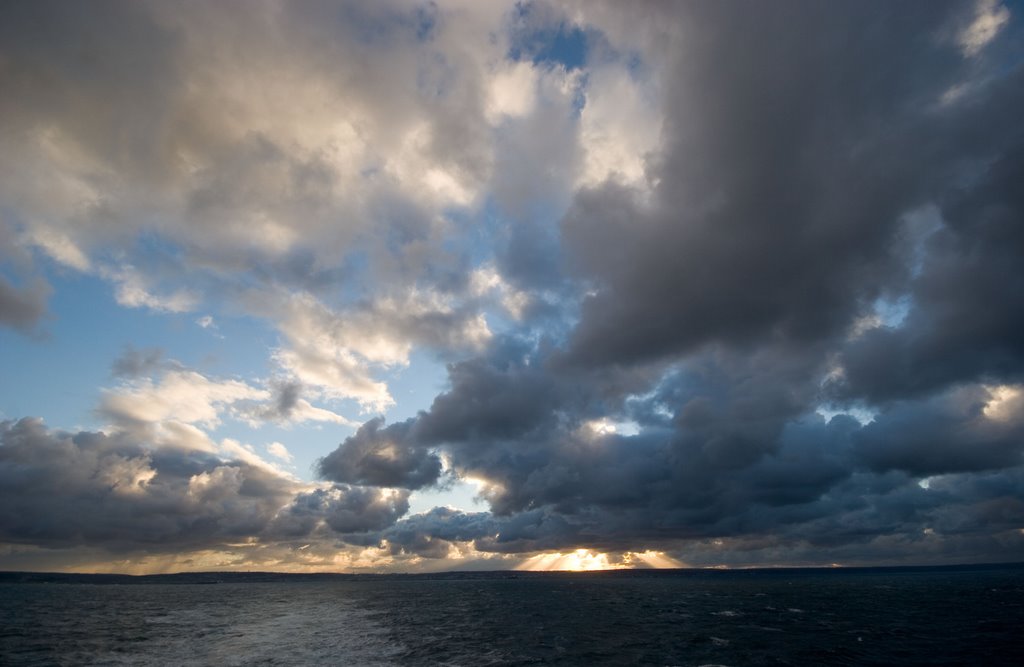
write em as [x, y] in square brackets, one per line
[585, 560]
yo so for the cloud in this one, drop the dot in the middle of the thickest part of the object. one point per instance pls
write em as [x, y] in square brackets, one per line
[155, 392]
[21, 308]
[60, 248]
[764, 236]
[971, 428]
[486, 280]
[962, 324]
[180, 395]
[989, 19]
[108, 491]
[286, 406]
[380, 456]
[131, 291]
[104, 491]
[135, 363]
[63, 490]
[512, 91]
[351, 509]
[335, 352]
[620, 126]
[435, 533]
[277, 450]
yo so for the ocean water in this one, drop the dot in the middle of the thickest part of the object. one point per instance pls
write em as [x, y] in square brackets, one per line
[923, 616]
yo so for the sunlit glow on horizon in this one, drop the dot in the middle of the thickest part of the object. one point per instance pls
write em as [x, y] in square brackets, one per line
[652, 559]
[585, 560]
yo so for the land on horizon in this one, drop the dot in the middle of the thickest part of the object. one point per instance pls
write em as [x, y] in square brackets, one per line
[257, 576]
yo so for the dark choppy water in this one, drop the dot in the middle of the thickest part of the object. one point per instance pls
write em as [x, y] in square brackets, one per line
[794, 617]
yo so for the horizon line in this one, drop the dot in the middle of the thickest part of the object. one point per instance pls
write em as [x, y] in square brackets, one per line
[527, 573]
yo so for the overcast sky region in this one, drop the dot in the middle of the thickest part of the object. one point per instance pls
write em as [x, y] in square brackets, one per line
[414, 286]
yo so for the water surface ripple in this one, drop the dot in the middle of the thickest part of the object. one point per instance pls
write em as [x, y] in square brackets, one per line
[793, 617]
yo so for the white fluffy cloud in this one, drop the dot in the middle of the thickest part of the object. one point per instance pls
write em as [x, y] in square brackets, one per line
[336, 352]
[512, 91]
[180, 395]
[279, 451]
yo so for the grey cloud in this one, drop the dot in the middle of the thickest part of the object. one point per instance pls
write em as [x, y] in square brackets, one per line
[948, 433]
[736, 462]
[135, 363]
[490, 401]
[522, 423]
[112, 55]
[432, 534]
[536, 159]
[22, 308]
[381, 456]
[64, 490]
[278, 177]
[111, 492]
[786, 169]
[344, 508]
[285, 397]
[968, 301]
[362, 509]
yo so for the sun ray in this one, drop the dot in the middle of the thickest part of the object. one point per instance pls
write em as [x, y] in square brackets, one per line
[585, 560]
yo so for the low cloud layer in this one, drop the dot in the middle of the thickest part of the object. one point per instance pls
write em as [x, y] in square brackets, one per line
[737, 283]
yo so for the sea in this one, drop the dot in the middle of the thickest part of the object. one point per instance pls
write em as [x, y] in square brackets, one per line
[971, 615]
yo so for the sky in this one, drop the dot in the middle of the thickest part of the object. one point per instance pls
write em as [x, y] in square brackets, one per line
[419, 286]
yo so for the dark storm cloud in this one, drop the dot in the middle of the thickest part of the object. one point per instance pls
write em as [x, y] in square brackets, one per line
[381, 456]
[805, 503]
[948, 433]
[345, 509]
[493, 399]
[529, 428]
[787, 166]
[63, 490]
[968, 312]
[432, 534]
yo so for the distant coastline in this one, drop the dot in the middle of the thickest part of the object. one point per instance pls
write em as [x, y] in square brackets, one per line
[186, 578]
